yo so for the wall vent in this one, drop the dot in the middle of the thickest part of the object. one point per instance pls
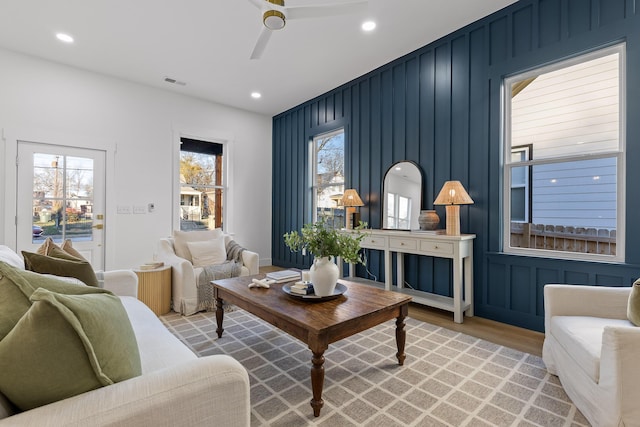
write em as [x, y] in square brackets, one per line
[174, 81]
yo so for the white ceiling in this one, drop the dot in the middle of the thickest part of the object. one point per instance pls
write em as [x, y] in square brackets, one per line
[207, 43]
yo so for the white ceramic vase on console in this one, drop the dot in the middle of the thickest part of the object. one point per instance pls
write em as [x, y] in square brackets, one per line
[324, 276]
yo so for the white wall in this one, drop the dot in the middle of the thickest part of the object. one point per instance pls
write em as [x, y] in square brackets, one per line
[139, 126]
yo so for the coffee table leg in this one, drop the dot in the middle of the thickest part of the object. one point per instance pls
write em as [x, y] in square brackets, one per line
[219, 316]
[401, 334]
[317, 382]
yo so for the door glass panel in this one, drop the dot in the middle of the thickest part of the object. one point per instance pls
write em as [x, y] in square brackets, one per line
[62, 198]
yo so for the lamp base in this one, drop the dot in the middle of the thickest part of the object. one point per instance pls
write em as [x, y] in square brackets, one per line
[355, 219]
[453, 220]
[348, 219]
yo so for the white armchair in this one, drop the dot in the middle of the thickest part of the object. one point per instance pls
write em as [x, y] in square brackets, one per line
[185, 276]
[593, 348]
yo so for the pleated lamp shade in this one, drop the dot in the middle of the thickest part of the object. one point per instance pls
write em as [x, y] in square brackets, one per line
[351, 198]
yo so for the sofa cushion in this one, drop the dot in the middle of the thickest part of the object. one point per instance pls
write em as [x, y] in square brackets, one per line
[633, 306]
[10, 257]
[17, 285]
[581, 338]
[59, 263]
[207, 252]
[66, 345]
[180, 239]
[159, 348]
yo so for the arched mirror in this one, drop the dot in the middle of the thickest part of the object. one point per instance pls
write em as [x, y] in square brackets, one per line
[402, 196]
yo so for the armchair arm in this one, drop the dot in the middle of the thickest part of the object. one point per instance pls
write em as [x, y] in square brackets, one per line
[123, 283]
[619, 372]
[251, 261]
[212, 390]
[183, 277]
[579, 300]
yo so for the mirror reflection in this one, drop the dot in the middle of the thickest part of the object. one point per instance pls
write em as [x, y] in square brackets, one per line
[402, 196]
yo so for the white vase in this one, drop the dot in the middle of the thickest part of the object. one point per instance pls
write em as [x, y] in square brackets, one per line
[324, 276]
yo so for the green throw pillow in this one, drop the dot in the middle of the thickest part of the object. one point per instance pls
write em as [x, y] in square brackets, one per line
[60, 263]
[66, 345]
[633, 307]
[17, 285]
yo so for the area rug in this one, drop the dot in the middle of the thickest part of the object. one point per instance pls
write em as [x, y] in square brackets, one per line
[448, 379]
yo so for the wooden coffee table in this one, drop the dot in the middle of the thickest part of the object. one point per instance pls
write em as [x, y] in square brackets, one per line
[317, 324]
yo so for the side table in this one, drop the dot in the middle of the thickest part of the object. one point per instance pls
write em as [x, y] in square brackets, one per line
[154, 288]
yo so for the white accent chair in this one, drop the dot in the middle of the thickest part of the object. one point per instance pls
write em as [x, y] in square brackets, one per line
[594, 349]
[185, 276]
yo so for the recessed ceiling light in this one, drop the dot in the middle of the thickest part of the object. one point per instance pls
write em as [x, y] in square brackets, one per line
[256, 95]
[368, 26]
[64, 37]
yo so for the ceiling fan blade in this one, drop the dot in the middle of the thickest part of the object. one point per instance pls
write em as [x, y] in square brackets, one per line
[305, 12]
[261, 44]
[257, 3]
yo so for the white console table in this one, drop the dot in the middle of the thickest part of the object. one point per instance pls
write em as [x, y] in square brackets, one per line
[428, 243]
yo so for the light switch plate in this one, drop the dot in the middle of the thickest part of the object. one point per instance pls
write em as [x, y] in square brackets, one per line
[124, 209]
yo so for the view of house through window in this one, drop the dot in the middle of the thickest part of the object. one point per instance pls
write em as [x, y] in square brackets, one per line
[328, 178]
[564, 158]
[201, 185]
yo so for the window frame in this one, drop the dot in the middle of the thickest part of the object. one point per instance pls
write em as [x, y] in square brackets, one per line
[527, 149]
[619, 154]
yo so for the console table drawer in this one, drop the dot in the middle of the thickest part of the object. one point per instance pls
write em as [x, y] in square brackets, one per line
[374, 242]
[437, 247]
[404, 244]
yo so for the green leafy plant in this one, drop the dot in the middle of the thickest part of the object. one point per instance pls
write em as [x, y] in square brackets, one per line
[322, 241]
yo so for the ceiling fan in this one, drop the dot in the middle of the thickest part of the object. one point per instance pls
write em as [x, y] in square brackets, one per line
[275, 15]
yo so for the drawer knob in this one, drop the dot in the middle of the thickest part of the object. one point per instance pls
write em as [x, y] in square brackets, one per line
[435, 247]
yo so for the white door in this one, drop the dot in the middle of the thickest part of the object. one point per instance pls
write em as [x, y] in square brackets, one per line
[61, 194]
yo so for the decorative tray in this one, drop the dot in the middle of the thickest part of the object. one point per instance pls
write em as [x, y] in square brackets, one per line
[339, 290]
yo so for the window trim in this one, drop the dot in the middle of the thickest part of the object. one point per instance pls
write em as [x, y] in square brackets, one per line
[619, 154]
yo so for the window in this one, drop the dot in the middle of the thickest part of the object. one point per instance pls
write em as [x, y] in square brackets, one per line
[564, 159]
[398, 211]
[62, 197]
[328, 178]
[201, 185]
[521, 185]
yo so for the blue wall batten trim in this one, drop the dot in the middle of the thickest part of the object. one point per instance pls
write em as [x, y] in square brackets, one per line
[440, 107]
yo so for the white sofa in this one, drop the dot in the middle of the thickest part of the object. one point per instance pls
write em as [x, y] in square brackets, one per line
[593, 349]
[176, 387]
[184, 276]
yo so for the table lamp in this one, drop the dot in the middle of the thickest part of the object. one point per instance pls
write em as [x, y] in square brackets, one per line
[452, 196]
[350, 200]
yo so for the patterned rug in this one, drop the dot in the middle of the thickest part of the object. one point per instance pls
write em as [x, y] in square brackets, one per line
[448, 379]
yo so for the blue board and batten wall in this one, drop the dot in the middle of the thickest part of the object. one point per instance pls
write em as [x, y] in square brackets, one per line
[440, 107]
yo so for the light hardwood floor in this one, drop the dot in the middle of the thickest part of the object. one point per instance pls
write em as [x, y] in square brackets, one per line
[496, 332]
